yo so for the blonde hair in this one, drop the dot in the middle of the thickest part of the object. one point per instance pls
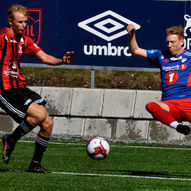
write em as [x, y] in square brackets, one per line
[16, 8]
[178, 30]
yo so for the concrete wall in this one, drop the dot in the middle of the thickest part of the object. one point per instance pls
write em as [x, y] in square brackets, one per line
[118, 115]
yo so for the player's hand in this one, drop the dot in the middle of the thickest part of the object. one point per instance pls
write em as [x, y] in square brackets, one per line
[131, 29]
[67, 58]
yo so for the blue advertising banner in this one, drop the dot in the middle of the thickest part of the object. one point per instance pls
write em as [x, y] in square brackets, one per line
[96, 31]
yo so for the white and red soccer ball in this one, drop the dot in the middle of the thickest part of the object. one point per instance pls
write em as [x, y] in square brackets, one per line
[97, 148]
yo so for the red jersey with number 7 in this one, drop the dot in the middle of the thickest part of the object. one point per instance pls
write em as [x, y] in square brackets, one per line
[175, 73]
[11, 51]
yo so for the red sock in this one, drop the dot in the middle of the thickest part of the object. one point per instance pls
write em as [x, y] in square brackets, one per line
[159, 113]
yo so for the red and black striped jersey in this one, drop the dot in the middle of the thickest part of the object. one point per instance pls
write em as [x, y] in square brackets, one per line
[11, 52]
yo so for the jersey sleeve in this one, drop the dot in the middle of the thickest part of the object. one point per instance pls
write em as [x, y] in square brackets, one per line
[152, 56]
[30, 47]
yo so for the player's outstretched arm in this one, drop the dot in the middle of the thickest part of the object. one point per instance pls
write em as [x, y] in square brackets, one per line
[133, 46]
[51, 60]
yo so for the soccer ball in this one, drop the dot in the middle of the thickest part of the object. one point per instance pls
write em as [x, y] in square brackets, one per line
[97, 148]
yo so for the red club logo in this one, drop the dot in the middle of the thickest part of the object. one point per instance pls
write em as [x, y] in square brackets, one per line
[33, 28]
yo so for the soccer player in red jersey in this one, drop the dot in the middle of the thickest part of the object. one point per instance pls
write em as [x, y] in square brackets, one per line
[175, 67]
[24, 105]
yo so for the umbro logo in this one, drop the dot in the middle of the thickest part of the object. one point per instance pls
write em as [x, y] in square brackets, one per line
[107, 25]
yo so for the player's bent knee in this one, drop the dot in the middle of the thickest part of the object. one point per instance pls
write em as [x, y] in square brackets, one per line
[37, 117]
[149, 106]
[47, 125]
[152, 107]
[41, 116]
[50, 124]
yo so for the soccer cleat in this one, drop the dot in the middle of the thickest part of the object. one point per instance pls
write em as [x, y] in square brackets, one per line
[8, 147]
[184, 129]
[37, 168]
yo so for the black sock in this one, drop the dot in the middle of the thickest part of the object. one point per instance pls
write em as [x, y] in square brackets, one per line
[40, 147]
[21, 130]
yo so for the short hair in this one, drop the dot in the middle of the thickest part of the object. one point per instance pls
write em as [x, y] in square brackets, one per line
[178, 30]
[16, 8]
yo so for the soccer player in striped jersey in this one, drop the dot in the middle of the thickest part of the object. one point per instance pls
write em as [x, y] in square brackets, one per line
[175, 67]
[24, 105]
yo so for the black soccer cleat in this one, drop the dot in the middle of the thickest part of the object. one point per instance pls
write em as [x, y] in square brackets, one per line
[37, 168]
[8, 147]
[184, 129]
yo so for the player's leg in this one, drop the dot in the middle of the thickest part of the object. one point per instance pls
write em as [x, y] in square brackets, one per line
[160, 111]
[14, 103]
[10, 140]
[185, 107]
[37, 115]
[168, 115]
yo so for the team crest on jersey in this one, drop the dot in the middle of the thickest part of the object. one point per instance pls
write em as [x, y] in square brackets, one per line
[183, 66]
[165, 61]
[33, 28]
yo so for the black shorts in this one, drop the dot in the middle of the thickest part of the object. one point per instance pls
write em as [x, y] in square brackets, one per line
[16, 102]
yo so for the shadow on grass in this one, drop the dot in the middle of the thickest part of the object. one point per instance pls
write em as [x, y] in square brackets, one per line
[11, 170]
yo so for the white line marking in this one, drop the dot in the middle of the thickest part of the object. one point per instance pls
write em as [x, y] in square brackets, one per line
[162, 148]
[113, 175]
[107, 175]
[129, 146]
[121, 176]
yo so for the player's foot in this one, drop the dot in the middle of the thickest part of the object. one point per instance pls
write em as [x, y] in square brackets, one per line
[37, 168]
[8, 147]
[184, 129]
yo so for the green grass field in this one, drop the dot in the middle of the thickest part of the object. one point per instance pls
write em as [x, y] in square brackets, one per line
[126, 168]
